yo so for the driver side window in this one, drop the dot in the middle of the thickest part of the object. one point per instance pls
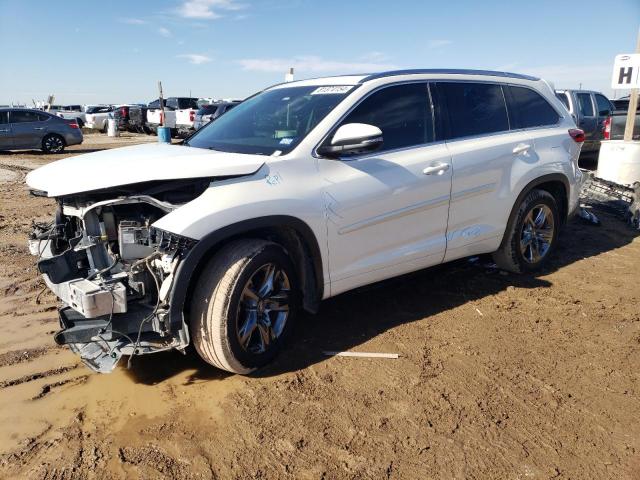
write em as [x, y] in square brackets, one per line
[402, 112]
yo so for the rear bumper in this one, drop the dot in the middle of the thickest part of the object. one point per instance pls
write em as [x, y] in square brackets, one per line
[74, 138]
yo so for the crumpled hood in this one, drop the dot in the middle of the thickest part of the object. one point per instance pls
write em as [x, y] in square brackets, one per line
[136, 164]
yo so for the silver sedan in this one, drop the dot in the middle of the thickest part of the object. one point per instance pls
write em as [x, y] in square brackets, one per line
[22, 128]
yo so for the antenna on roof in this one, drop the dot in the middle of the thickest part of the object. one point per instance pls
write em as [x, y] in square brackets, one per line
[289, 76]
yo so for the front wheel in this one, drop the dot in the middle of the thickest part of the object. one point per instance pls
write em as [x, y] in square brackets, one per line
[532, 235]
[244, 305]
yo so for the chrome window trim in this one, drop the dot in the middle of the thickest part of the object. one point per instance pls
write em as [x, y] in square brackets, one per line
[429, 82]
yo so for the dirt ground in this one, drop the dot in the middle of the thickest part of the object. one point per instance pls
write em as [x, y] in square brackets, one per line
[499, 376]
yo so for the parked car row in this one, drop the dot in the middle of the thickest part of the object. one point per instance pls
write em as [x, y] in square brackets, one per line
[182, 114]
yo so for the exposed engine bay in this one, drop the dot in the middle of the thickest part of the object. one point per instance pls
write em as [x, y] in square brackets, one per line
[113, 271]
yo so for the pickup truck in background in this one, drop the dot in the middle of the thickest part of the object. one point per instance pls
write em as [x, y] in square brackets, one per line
[180, 113]
[589, 110]
[615, 124]
[96, 117]
[131, 118]
[70, 112]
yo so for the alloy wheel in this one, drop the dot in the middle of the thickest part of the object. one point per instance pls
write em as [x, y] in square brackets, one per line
[53, 144]
[263, 309]
[537, 233]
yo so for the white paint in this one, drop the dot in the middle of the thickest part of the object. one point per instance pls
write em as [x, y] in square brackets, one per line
[619, 161]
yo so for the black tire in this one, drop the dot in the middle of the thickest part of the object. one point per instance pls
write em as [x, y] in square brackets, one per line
[105, 129]
[80, 122]
[53, 143]
[510, 256]
[219, 308]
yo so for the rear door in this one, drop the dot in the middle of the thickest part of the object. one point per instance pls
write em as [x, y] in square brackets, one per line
[604, 109]
[6, 139]
[587, 119]
[484, 153]
[28, 128]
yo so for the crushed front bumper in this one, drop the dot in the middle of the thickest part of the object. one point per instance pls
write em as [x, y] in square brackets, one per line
[114, 287]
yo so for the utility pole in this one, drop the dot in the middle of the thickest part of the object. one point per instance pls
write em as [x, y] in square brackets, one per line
[633, 105]
[161, 104]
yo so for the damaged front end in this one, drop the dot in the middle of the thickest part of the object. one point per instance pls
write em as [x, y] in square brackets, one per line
[113, 272]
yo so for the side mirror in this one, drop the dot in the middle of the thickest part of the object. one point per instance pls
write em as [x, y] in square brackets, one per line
[352, 138]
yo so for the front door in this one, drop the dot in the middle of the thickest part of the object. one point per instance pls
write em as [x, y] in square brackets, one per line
[387, 211]
[6, 140]
[28, 129]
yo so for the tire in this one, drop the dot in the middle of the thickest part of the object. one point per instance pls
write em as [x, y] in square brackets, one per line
[80, 122]
[532, 235]
[53, 143]
[231, 323]
[105, 128]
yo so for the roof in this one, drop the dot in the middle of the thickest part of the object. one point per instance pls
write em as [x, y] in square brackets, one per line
[355, 79]
[446, 71]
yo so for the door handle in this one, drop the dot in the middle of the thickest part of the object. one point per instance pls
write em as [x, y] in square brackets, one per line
[38, 128]
[438, 169]
[521, 148]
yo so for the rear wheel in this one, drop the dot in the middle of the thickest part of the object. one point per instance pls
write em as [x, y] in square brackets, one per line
[532, 236]
[244, 305]
[53, 143]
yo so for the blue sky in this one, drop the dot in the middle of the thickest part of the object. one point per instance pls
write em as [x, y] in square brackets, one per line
[115, 51]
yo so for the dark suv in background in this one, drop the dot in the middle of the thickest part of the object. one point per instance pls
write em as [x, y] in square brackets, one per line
[207, 113]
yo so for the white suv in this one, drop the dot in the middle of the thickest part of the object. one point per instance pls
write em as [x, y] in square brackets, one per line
[304, 191]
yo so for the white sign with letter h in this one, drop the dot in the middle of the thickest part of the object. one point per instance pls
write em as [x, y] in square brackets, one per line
[626, 72]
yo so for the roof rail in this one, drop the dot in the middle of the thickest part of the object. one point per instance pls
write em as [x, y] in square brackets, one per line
[446, 71]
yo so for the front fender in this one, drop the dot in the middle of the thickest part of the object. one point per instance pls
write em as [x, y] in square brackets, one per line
[188, 267]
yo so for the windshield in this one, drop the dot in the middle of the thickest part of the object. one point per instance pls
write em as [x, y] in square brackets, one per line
[272, 121]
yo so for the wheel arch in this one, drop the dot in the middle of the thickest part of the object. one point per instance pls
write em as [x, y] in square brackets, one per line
[293, 234]
[556, 184]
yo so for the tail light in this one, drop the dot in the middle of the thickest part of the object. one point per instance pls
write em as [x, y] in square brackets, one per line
[577, 135]
[607, 128]
[192, 115]
[73, 124]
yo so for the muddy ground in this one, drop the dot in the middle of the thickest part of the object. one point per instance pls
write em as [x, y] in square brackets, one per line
[499, 376]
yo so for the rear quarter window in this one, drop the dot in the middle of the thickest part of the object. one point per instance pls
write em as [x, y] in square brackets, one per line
[474, 108]
[585, 105]
[564, 99]
[527, 108]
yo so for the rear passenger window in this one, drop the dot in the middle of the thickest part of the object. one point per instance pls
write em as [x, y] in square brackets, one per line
[402, 112]
[4, 118]
[604, 106]
[474, 108]
[43, 117]
[21, 116]
[528, 108]
[585, 105]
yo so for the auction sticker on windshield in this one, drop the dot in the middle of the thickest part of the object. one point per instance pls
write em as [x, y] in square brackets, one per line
[335, 90]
